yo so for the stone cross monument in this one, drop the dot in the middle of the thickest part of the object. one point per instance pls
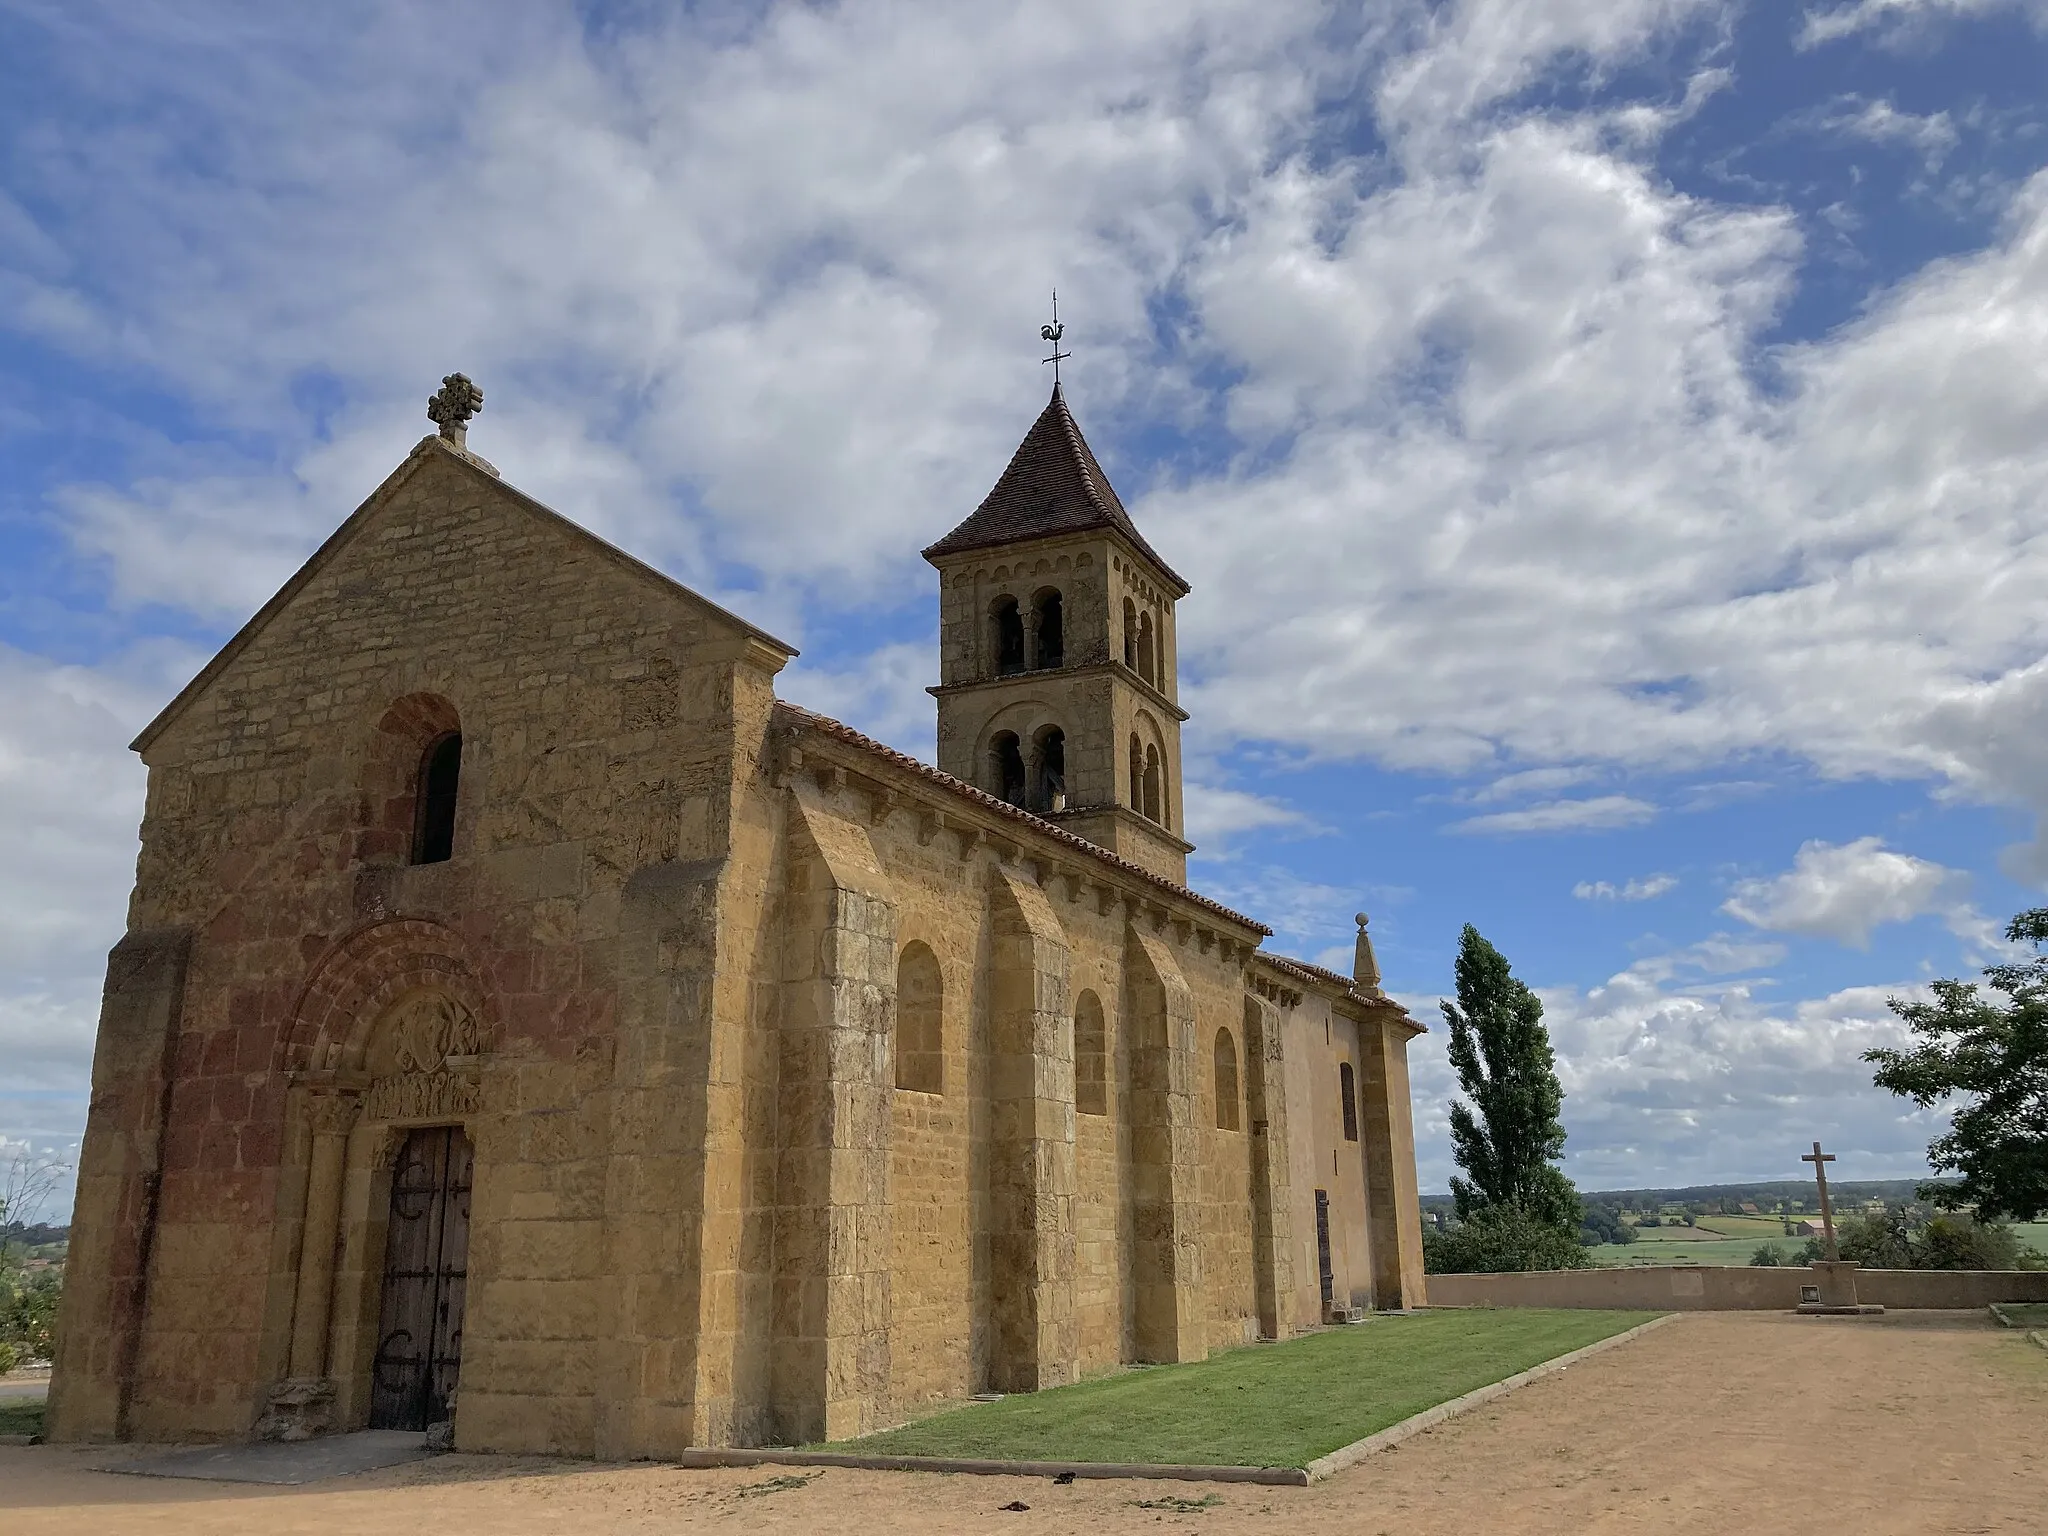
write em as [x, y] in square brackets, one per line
[1820, 1161]
[1833, 1291]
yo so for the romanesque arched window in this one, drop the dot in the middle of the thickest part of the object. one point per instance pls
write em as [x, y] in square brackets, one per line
[1347, 1086]
[1226, 1081]
[1049, 759]
[1130, 634]
[1009, 636]
[1152, 784]
[920, 1021]
[1146, 651]
[1006, 768]
[440, 775]
[1137, 774]
[1091, 1056]
[1049, 620]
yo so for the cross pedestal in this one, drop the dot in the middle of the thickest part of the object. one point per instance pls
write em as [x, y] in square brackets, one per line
[1832, 1292]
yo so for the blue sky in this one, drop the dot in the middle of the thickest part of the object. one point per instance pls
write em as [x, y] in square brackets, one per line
[1608, 440]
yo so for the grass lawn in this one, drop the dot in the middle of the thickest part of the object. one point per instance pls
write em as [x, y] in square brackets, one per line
[21, 1416]
[1275, 1405]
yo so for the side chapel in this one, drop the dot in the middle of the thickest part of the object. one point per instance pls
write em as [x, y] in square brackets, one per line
[526, 1019]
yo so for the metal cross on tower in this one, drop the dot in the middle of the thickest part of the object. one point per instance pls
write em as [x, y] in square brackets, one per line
[1820, 1161]
[1053, 333]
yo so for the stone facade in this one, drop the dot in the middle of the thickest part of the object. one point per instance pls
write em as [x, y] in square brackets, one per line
[805, 1083]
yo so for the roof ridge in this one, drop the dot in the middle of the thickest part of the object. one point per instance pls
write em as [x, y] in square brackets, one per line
[938, 776]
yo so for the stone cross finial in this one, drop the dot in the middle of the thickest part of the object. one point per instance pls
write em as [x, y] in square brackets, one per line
[452, 405]
[1365, 965]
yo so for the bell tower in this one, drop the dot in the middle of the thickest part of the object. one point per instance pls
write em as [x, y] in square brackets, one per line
[1057, 688]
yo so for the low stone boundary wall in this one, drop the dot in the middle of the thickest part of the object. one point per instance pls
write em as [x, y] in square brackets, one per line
[1716, 1288]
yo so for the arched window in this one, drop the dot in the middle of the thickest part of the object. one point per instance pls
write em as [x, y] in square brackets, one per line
[1226, 1081]
[1006, 768]
[1050, 614]
[1091, 1057]
[1137, 774]
[1009, 637]
[1152, 784]
[920, 1021]
[1130, 634]
[1347, 1086]
[1050, 753]
[1145, 651]
[440, 775]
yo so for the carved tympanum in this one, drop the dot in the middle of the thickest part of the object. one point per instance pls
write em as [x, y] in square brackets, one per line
[425, 1029]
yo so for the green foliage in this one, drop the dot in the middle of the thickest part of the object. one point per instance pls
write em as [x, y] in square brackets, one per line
[1994, 1057]
[1601, 1223]
[1767, 1256]
[1901, 1238]
[1501, 1239]
[1502, 1054]
[28, 1311]
[8, 1358]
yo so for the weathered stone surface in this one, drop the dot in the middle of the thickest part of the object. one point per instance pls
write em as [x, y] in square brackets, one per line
[657, 983]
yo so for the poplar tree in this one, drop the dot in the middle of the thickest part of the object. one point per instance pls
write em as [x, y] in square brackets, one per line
[1509, 1138]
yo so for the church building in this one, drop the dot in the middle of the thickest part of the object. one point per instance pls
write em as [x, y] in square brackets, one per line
[526, 1020]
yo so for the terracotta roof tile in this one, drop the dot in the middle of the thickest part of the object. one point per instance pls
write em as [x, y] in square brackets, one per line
[1053, 485]
[838, 731]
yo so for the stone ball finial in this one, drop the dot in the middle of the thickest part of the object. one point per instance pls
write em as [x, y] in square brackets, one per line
[1360, 918]
[450, 407]
[1365, 965]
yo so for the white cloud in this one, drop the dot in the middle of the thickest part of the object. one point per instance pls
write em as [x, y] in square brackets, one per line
[1602, 813]
[1215, 814]
[1518, 479]
[1843, 891]
[1669, 1073]
[1894, 19]
[1931, 134]
[1649, 888]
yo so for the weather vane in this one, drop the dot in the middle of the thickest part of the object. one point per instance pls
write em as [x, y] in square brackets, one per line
[1053, 333]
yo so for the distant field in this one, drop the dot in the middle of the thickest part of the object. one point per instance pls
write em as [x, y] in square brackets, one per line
[1732, 1239]
[1709, 1250]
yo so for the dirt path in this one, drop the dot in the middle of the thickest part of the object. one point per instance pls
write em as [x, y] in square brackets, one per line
[1746, 1423]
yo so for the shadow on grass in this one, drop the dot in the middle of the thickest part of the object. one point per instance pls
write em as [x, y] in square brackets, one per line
[1276, 1405]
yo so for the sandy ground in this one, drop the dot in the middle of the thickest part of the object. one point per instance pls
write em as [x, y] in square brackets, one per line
[1751, 1423]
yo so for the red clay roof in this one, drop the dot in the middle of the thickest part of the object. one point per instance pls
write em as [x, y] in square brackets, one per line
[1053, 486]
[838, 731]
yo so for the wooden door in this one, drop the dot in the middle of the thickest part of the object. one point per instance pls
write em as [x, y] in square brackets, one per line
[426, 1264]
[1324, 1270]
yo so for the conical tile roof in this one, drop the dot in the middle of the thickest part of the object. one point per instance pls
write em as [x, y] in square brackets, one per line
[1053, 486]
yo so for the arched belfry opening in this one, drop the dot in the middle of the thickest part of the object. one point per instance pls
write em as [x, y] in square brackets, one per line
[1048, 612]
[1050, 760]
[1152, 807]
[440, 778]
[1009, 637]
[1006, 768]
[1055, 608]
